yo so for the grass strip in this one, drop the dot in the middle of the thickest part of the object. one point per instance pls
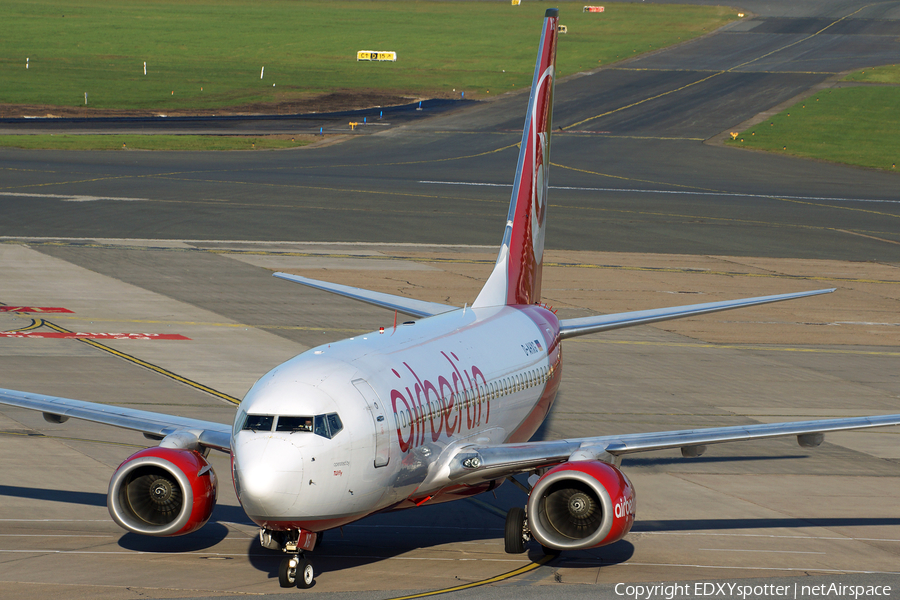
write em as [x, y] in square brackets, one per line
[153, 142]
[885, 74]
[850, 125]
[211, 53]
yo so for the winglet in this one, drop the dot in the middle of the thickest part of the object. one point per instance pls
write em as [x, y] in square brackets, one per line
[516, 278]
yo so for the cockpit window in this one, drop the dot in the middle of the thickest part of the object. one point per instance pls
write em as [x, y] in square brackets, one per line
[258, 423]
[326, 426]
[322, 427]
[294, 424]
[334, 423]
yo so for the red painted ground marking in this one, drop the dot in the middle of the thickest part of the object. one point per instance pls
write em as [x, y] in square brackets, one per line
[92, 336]
[34, 309]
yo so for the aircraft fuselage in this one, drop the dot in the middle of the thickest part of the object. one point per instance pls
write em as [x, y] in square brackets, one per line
[402, 398]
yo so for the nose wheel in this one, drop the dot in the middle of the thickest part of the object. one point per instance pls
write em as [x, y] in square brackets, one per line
[296, 571]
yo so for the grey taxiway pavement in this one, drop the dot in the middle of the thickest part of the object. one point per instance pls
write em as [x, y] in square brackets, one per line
[133, 242]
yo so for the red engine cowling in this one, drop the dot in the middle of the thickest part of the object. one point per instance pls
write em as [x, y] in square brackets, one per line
[581, 504]
[163, 492]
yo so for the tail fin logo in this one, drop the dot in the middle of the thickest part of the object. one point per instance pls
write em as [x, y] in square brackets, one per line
[539, 194]
[540, 157]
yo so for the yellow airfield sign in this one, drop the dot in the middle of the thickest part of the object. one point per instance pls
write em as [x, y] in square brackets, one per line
[376, 55]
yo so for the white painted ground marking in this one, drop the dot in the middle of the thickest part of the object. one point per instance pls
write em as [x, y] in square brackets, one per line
[770, 535]
[73, 197]
[685, 192]
[349, 556]
[791, 569]
[765, 551]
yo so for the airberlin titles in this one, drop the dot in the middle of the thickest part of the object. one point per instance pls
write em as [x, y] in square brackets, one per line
[424, 409]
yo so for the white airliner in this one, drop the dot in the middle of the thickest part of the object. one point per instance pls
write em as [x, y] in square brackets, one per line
[436, 409]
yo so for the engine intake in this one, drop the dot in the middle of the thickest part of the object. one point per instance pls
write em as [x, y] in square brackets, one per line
[581, 504]
[163, 492]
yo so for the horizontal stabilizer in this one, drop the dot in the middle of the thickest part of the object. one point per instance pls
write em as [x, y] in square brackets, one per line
[407, 306]
[582, 326]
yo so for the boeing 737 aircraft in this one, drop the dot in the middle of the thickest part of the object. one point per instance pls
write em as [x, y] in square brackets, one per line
[440, 408]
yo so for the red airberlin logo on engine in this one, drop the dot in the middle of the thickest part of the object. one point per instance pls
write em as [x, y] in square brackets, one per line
[456, 402]
[624, 507]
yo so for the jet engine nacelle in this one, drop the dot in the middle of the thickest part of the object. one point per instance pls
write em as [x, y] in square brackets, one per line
[581, 504]
[163, 492]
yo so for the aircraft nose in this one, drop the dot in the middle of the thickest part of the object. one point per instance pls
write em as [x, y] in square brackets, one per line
[268, 474]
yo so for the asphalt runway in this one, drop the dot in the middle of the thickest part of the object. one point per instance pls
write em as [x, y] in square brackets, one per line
[104, 235]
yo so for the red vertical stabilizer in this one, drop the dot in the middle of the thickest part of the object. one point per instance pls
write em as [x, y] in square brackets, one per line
[516, 278]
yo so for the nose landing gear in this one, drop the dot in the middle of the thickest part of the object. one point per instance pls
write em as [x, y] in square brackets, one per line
[296, 571]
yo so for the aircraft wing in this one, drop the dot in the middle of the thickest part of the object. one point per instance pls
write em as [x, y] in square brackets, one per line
[472, 464]
[408, 306]
[582, 326]
[58, 410]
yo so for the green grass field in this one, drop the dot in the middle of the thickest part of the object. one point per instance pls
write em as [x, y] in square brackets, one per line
[209, 53]
[150, 142]
[885, 74]
[851, 125]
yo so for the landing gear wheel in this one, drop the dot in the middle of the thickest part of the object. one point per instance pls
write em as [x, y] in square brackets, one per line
[515, 530]
[287, 572]
[305, 575]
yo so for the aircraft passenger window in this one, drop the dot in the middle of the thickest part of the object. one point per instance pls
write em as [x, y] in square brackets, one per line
[294, 424]
[258, 423]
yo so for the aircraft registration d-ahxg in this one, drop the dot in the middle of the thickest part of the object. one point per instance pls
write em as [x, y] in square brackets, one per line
[440, 408]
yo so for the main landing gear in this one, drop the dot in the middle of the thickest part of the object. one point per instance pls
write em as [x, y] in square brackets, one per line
[516, 531]
[518, 534]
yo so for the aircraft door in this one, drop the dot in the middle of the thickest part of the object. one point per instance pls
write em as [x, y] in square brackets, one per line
[379, 419]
